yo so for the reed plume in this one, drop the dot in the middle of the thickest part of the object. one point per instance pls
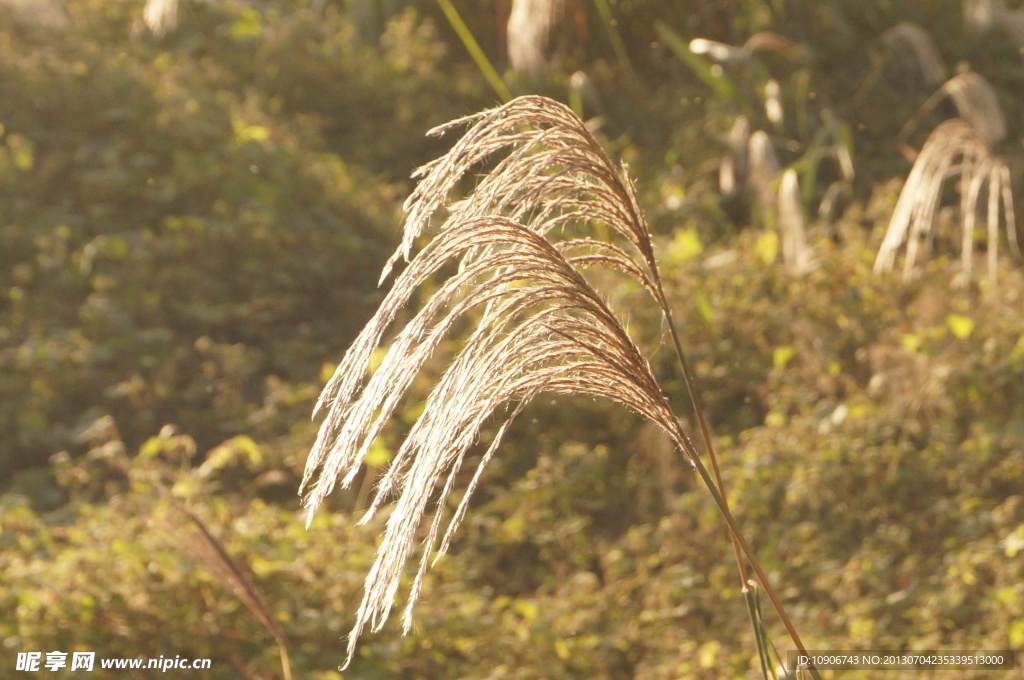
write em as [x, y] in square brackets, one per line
[538, 326]
[160, 16]
[915, 45]
[530, 23]
[791, 223]
[961, 147]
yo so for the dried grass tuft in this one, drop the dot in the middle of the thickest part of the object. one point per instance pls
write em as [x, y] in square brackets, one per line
[962, 147]
[720, 52]
[976, 103]
[763, 169]
[752, 163]
[914, 43]
[953, 149]
[982, 16]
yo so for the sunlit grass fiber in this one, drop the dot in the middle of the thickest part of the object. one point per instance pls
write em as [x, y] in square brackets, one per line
[540, 326]
[961, 147]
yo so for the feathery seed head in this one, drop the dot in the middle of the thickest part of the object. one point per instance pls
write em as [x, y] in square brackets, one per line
[539, 325]
[953, 148]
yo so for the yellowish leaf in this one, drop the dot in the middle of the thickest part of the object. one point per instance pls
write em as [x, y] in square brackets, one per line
[708, 653]
[767, 246]
[782, 355]
[326, 372]
[1017, 633]
[685, 246]
[378, 455]
[960, 326]
[910, 342]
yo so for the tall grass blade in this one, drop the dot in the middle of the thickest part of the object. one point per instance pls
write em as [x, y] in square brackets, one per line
[474, 49]
[718, 82]
[205, 549]
[749, 597]
[604, 10]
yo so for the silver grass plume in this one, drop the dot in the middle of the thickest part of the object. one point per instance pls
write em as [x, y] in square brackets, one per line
[773, 102]
[539, 325]
[913, 42]
[763, 170]
[723, 53]
[720, 52]
[732, 173]
[791, 223]
[528, 32]
[206, 550]
[981, 16]
[160, 16]
[954, 148]
[976, 103]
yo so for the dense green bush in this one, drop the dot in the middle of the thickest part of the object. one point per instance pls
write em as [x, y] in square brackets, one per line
[187, 220]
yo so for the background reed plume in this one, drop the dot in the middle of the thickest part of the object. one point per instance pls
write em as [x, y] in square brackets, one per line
[539, 325]
[964, 147]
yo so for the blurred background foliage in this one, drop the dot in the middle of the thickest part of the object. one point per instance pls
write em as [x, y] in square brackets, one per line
[191, 229]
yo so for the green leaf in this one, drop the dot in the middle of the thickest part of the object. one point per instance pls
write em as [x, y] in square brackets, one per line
[717, 82]
[475, 51]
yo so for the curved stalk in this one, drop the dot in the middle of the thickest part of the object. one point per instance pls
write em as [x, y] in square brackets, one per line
[723, 507]
[705, 431]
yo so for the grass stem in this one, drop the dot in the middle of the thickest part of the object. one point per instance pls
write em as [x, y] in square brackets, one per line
[474, 49]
